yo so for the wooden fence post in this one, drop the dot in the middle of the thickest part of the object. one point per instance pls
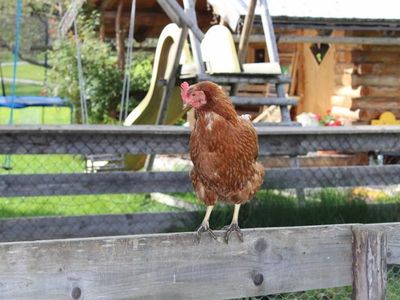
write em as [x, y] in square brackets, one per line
[369, 263]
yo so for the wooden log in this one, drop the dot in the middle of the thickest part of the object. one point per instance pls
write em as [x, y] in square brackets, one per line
[339, 40]
[375, 80]
[368, 114]
[361, 56]
[378, 69]
[369, 264]
[381, 48]
[343, 56]
[343, 79]
[380, 91]
[380, 103]
[175, 266]
[348, 47]
[341, 68]
[346, 91]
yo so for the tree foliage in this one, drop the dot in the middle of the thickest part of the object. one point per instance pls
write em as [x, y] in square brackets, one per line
[37, 18]
[103, 80]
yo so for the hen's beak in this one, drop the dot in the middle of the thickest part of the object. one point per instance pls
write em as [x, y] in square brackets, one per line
[186, 107]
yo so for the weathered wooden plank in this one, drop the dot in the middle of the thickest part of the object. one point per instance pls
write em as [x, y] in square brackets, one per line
[392, 231]
[45, 228]
[369, 264]
[379, 68]
[95, 183]
[383, 91]
[231, 78]
[375, 80]
[174, 266]
[339, 40]
[168, 182]
[241, 100]
[273, 140]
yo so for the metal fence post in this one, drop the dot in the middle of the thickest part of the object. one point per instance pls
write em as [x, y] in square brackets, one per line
[369, 263]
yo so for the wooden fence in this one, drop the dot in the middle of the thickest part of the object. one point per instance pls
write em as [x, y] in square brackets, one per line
[273, 141]
[175, 266]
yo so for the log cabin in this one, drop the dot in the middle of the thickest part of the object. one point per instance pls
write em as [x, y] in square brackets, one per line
[343, 56]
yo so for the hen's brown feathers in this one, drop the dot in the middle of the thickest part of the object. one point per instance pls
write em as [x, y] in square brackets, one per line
[223, 148]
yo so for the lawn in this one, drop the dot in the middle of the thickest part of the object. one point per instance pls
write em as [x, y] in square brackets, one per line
[78, 205]
[25, 71]
[37, 115]
[24, 89]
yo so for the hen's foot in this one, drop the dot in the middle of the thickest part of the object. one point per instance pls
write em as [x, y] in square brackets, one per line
[231, 228]
[204, 228]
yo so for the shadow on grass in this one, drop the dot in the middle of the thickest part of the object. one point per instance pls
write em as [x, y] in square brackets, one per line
[269, 209]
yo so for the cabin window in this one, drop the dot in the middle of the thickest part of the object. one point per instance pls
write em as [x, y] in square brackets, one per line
[319, 51]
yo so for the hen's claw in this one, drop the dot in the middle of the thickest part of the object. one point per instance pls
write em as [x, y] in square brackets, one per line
[204, 228]
[231, 228]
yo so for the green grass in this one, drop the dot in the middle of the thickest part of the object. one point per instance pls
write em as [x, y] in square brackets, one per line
[25, 71]
[67, 205]
[6, 56]
[78, 205]
[44, 163]
[274, 209]
[24, 89]
[36, 115]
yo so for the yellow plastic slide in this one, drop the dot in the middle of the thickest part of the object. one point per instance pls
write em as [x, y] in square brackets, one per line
[147, 110]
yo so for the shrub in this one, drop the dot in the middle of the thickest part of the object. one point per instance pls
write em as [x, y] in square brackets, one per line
[103, 80]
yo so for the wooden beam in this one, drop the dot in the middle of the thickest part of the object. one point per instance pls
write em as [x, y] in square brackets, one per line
[170, 182]
[194, 42]
[175, 266]
[375, 80]
[142, 18]
[69, 17]
[64, 227]
[139, 139]
[369, 264]
[246, 31]
[178, 16]
[269, 32]
[339, 40]
[120, 36]
[248, 78]
[245, 100]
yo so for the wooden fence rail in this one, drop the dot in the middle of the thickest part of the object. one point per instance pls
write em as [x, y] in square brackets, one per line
[273, 141]
[171, 182]
[80, 139]
[175, 266]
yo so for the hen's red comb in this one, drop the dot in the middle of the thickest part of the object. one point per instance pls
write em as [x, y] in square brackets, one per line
[184, 89]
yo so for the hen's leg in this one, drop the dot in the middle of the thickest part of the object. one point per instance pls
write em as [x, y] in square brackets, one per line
[234, 225]
[205, 227]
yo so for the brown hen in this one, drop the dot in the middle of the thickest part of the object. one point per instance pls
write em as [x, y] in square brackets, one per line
[224, 150]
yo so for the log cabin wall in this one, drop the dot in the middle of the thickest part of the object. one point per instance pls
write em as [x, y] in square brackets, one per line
[364, 78]
[377, 76]
[320, 79]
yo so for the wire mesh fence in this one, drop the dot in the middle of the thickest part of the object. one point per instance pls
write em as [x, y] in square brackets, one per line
[92, 181]
[101, 170]
[342, 293]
